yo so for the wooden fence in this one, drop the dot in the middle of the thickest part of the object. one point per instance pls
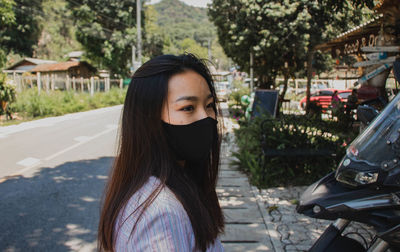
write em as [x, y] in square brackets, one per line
[47, 82]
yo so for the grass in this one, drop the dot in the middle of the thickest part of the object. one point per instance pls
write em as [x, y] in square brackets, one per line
[30, 105]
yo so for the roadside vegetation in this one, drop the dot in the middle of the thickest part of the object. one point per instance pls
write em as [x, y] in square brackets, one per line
[29, 105]
[292, 149]
[296, 149]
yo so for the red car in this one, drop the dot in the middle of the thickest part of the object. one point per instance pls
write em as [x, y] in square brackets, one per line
[323, 97]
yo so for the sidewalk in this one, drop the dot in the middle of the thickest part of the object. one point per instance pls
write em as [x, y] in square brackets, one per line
[245, 228]
[264, 220]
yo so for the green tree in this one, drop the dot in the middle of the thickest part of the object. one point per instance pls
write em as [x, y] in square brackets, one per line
[6, 12]
[180, 22]
[7, 18]
[19, 28]
[169, 47]
[154, 40]
[325, 20]
[281, 34]
[57, 36]
[191, 46]
[107, 30]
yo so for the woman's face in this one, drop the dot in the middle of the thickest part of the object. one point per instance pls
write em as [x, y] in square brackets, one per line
[189, 99]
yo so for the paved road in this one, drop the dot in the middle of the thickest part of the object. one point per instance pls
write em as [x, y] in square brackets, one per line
[52, 173]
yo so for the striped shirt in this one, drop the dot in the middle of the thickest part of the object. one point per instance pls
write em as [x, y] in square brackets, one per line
[164, 225]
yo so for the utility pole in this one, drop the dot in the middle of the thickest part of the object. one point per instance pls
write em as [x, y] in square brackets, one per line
[251, 72]
[133, 59]
[133, 55]
[209, 49]
[139, 31]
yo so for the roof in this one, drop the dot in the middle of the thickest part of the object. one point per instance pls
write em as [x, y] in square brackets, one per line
[372, 26]
[33, 62]
[351, 41]
[75, 54]
[39, 61]
[60, 66]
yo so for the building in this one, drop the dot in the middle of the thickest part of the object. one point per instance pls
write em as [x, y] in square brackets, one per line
[51, 74]
[26, 64]
[71, 69]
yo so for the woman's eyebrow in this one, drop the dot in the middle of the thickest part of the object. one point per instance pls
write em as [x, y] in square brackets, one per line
[191, 98]
[187, 98]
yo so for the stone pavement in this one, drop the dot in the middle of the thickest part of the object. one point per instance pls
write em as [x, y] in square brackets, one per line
[245, 229]
[291, 231]
[264, 220]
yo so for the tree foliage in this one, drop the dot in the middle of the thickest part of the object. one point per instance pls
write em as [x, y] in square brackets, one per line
[57, 37]
[7, 18]
[153, 43]
[190, 45]
[107, 30]
[19, 27]
[187, 28]
[7, 15]
[180, 21]
[281, 34]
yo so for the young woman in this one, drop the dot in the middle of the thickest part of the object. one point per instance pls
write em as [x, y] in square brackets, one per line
[161, 193]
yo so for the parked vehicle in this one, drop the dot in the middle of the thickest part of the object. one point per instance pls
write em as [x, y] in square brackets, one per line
[318, 86]
[365, 188]
[323, 97]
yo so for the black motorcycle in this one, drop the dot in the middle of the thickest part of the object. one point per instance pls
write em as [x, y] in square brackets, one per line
[365, 188]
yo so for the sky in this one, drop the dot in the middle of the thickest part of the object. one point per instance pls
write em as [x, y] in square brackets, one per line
[197, 3]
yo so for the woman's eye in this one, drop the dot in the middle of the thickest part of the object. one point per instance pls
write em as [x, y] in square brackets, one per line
[211, 105]
[188, 108]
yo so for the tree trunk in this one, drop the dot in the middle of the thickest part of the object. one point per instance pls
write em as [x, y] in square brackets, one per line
[310, 56]
[4, 105]
[266, 82]
[283, 93]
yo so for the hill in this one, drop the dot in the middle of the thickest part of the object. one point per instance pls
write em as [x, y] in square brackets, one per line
[179, 21]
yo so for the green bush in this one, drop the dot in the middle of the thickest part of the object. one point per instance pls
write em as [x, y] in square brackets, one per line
[30, 104]
[288, 134]
[7, 91]
[7, 96]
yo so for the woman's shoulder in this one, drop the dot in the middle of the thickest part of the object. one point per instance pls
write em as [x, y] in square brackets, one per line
[163, 225]
[164, 205]
[164, 200]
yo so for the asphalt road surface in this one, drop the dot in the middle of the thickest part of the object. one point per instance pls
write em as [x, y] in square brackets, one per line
[52, 176]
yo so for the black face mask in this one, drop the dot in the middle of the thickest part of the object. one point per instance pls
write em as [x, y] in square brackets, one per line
[192, 142]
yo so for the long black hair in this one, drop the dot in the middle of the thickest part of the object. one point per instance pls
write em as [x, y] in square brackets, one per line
[143, 152]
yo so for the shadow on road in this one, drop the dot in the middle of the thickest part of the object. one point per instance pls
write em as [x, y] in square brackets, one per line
[55, 210]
